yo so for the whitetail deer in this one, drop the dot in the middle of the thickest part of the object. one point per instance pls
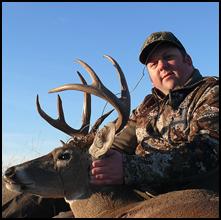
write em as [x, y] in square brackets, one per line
[65, 172]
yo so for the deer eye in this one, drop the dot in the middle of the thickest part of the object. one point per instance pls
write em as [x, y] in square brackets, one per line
[64, 156]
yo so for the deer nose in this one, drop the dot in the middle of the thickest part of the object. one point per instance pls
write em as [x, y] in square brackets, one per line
[10, 172]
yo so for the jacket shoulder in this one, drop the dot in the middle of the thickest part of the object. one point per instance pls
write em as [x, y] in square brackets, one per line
[211, 80]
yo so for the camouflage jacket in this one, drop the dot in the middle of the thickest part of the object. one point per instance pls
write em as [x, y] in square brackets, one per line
[171, 139]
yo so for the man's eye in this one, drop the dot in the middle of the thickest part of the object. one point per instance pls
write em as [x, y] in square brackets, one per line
[169, 57]
[153, 65]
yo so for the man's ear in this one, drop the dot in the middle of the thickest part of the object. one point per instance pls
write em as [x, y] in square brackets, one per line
[188, 59]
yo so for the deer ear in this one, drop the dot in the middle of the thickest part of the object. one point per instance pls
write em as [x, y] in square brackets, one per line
[103, 140]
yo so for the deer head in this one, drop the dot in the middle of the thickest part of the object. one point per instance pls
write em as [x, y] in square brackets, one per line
[64, 172]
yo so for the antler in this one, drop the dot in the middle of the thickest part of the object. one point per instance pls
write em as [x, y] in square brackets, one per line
[122, 104]
[60, 122]
[63, 126]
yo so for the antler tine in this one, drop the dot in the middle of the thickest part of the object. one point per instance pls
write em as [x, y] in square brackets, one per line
[125, 95]
[99, 121]
[57, 123]
[86, 108]
[60, 122]
[122, 105]
[95, 79]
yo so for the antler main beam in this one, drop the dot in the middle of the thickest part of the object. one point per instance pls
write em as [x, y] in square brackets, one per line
[122, 104]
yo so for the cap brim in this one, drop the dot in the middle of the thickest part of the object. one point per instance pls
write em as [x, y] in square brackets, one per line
[147, 51]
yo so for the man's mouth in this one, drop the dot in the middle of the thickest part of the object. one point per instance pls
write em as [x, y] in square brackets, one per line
[167, 75]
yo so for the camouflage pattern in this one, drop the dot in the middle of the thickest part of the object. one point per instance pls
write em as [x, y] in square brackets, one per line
[171, 139]
[154, 40]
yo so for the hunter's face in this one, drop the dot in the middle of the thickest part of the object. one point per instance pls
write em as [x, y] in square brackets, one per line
[168, 68]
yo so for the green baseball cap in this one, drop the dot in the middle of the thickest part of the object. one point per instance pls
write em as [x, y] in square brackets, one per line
[156, 39]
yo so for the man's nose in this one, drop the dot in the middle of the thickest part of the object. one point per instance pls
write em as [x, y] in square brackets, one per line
[162, 64]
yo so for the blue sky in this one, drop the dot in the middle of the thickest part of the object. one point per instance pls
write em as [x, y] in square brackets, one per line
[42, 40]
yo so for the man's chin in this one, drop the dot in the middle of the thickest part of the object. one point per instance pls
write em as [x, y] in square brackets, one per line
[169, 85]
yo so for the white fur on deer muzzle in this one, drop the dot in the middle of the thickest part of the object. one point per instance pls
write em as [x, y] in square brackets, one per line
[103, 140]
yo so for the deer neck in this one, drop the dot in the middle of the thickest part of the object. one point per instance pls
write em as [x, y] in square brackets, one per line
[105, 199]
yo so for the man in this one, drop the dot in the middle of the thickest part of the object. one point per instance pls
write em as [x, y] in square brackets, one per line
[171, 139]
